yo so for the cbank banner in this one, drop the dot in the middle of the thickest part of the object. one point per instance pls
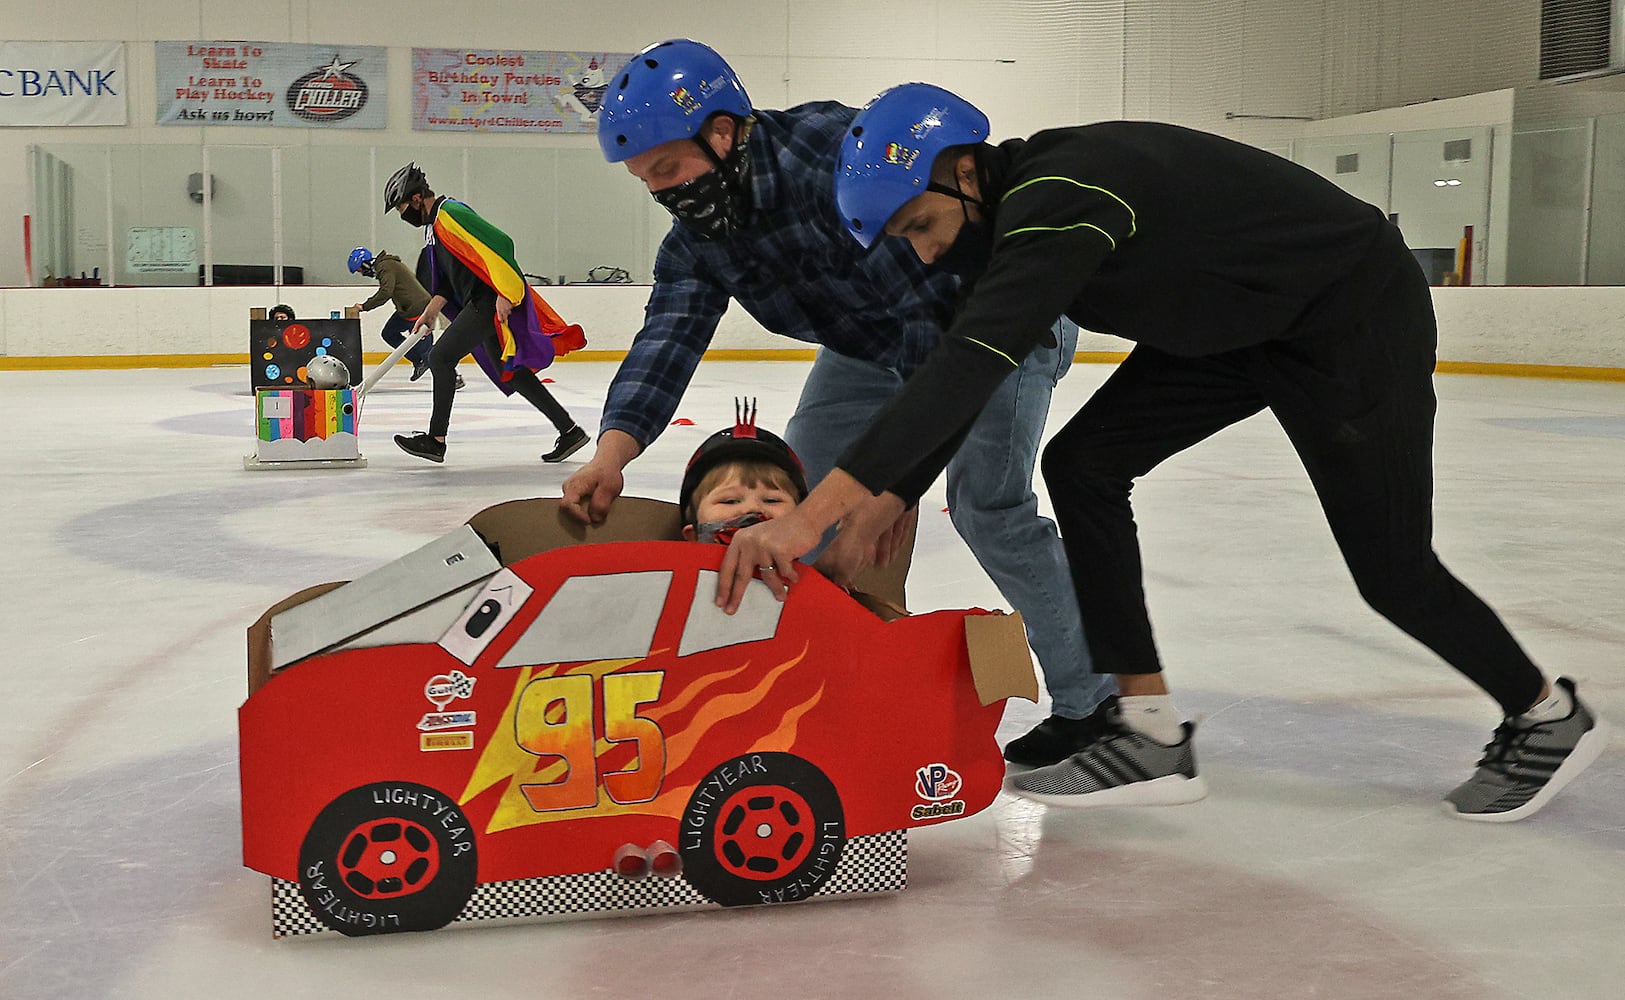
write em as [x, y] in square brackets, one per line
[497, 90]
[62, 83]
[271, 83]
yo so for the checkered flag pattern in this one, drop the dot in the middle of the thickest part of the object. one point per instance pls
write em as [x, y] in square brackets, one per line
[874, 863]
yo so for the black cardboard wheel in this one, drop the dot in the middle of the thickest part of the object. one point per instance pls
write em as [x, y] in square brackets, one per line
[762, 828]
[386, 857]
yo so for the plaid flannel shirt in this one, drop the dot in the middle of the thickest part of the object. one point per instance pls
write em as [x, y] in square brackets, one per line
[795, 269]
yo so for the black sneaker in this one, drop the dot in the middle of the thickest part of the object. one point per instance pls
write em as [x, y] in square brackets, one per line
[570, 442]
[423, 446]
[457, 382]
[1058, 737]
[1525, 765]
[1122, 768]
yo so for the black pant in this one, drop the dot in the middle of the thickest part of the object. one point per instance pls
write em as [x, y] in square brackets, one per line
[395, 330]
[1355, 398]
[473, 327]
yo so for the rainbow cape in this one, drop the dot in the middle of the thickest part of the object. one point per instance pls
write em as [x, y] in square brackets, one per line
[534, 334]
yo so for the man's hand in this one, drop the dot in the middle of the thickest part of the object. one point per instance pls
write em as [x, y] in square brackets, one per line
[589, 493]
[431, 312]
[770, 548]
[894, 538]
[773, 547]
[504, 307]
[871, 535]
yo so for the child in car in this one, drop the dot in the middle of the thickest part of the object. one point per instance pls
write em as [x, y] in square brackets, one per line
[739, 476]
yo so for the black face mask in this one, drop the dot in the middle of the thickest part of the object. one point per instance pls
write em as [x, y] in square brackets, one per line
[972, 249]
[413, 217]
[717, 203]
[970, 252]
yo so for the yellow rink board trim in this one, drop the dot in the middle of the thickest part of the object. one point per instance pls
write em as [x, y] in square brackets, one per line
[109, 362]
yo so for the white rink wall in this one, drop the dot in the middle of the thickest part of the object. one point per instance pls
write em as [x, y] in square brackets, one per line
[1569, 326]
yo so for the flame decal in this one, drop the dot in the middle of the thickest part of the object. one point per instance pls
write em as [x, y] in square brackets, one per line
[702, 723]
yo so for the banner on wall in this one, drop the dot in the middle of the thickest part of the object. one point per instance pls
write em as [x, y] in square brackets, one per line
[62, 83]
[496, 90]
[271, 83]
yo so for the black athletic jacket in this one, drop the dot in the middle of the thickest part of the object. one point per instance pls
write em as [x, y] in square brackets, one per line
[1180, 240]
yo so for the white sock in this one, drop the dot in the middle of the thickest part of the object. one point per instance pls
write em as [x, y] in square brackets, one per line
[1153, 715]
[1556, 705]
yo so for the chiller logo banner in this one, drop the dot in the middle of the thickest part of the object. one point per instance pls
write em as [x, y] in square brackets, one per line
[328, 93]
[271, 84]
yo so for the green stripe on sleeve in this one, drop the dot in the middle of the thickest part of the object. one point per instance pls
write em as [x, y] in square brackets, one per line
[1091, 187]
[1062, 229]
[995, 350]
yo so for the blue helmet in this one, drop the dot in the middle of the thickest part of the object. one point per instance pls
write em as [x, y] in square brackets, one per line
[360, 257]
[888, 151]
[666, 92]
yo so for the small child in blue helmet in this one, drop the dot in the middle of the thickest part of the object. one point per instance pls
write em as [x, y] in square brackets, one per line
[739, 476]
[397, 283]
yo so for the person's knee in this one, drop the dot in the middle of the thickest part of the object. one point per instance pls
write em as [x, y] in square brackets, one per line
[1403, 594]
[1073, 464]
[443, 355]
[975, 510]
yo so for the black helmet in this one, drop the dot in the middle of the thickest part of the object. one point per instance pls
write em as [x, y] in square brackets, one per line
[403, 184]
[743, 442]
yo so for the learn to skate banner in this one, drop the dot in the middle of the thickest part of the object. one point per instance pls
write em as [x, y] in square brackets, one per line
[496, 90]
[271, 83]
[62, 83]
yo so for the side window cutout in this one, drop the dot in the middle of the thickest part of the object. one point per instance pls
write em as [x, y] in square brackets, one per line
[708, 628]
[610, 617]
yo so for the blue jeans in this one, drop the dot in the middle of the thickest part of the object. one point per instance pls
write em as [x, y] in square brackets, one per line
[990, 496]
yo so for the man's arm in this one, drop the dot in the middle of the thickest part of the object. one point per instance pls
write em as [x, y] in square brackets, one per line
[379, 297]
[430, 313]
[679, 321]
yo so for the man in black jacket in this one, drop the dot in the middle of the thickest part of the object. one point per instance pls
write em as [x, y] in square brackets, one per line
[1247, 282]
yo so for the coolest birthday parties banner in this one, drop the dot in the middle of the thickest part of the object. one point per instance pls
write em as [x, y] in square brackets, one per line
[271, 83]
[496, 90]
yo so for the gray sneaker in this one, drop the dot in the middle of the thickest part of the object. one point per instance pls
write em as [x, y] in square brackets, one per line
[1122, 768]
[1524, 766]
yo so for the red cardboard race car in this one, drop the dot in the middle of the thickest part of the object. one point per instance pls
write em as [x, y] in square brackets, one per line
[532, 741]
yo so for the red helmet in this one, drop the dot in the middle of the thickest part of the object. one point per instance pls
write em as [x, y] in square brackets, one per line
[743, 442]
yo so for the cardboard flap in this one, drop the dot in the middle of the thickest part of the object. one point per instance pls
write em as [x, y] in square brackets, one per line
[446, 564]
[259, 633]
[999, 658]
[518, 529]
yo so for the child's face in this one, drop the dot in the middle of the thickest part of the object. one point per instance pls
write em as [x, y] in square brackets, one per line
[732, 498]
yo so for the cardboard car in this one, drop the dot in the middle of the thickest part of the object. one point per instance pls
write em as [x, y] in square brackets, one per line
[504, 725]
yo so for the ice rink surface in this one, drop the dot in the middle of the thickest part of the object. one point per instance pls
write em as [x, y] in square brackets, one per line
[1320, 865]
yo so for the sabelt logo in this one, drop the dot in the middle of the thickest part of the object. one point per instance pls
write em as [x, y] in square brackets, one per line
[328, 93]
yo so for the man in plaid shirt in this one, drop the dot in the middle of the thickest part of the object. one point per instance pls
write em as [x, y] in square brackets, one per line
[752, 196]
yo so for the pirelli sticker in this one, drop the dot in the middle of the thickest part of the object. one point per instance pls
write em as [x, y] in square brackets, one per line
[445, 741]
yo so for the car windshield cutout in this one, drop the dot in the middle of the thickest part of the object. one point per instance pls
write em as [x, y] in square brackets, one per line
[610, 617]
